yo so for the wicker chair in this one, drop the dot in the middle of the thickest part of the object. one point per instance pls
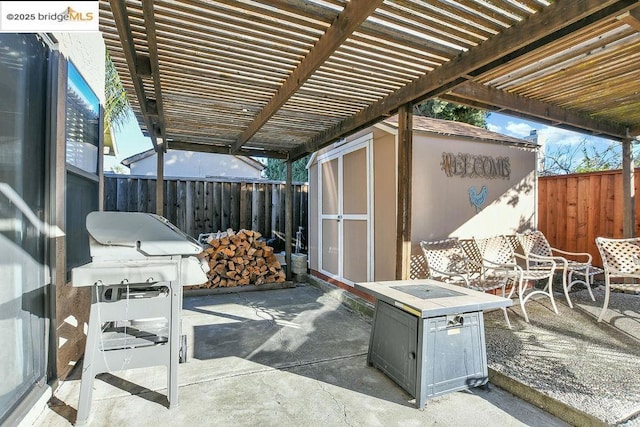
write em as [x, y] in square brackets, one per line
[621, 262]
[446, 262]
[498, 252]
[568, 263]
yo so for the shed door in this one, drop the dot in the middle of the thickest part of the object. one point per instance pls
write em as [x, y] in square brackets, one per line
[346, 248]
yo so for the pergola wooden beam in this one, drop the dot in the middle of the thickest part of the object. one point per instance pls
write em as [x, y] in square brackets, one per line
[354, 13]
[479, 95]
[218, 149]
[631, 18]
[152, 46]
[121, 18]
[405, 178]
[561, 17]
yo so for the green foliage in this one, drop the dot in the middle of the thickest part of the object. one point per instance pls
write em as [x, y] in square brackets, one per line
[117, 108]
[276, 170]
[439, 109]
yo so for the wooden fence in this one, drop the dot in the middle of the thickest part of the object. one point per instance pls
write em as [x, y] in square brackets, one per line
[208, 205]
[575, 209]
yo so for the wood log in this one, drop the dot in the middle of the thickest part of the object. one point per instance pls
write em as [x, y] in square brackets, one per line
[239, 259]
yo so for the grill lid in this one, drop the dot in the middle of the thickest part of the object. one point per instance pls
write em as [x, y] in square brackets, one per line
[150, 234]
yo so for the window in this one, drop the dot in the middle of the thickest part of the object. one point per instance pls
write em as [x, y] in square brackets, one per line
[23, 109]
[82, 134]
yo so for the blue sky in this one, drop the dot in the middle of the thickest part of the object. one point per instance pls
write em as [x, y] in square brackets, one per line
[130, 140]
[519, 128]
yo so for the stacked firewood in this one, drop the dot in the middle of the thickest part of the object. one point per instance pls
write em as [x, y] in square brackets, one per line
[237, 259]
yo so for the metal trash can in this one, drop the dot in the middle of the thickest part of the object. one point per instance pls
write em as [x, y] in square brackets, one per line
[298, 263]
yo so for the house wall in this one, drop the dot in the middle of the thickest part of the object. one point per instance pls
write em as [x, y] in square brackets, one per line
[441, 204]
[179, 163]
[87, 52]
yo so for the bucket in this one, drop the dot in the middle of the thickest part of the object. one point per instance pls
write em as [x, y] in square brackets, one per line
[298, 263]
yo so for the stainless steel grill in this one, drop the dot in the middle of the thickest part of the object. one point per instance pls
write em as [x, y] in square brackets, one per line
[139, 264]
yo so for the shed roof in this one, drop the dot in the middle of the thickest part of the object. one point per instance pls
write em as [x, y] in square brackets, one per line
[283, 78]
[451, 128]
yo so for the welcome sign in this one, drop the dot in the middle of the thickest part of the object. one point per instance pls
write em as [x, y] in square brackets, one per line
[474, 165]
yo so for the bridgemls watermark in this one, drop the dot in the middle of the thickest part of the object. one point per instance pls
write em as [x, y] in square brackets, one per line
[45, 16]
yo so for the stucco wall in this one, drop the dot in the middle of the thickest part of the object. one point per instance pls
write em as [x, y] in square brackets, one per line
[87, 52]
[441, 205]
[197, 165]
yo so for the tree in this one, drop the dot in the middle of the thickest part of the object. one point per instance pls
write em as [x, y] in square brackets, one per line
[562, 159]
[117, 108]
[438, 109]
[276, 170]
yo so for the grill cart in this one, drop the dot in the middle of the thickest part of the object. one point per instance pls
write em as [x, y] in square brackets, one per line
[140, 262]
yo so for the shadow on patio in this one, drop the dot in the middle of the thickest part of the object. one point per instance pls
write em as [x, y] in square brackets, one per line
[585, 366]
[281, 357]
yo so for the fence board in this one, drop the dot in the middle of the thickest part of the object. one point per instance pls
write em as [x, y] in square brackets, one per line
[594, 191]
[235, 194]
[575, 209]
[242, 218]
[267, 208]
[110, 194]
[217, 206]
[122, 198]
[275, 201]
[181, 206]
[151, 197]
[171, 201]
[208, 205]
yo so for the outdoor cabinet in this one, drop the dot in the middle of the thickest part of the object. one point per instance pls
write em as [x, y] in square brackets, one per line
[452, 351]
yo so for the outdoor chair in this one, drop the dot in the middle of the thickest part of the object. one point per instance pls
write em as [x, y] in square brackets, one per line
[621, 262]
[534, 243]
[446, 262]
[499, 252]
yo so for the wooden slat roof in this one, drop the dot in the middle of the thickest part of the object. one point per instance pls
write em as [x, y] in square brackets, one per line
[283, 78]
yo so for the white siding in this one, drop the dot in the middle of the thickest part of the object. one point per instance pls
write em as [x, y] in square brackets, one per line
[196, 165]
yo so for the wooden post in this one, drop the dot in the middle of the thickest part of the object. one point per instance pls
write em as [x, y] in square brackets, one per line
[288, 218]
[160, 181]
[628, 190]
[403, 221]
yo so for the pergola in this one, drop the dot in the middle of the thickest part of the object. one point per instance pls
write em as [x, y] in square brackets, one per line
[284, 78]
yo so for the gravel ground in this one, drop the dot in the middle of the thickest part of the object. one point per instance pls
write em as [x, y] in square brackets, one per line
[572, 358]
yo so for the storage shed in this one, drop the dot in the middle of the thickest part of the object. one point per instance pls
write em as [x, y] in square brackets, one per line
[466, 181]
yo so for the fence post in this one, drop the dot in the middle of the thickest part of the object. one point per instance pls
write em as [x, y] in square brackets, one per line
[160, 181]
[403, 232]
[288, 221]
[628, 190]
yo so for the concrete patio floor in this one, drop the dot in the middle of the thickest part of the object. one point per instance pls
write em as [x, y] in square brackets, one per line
[289, 357]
